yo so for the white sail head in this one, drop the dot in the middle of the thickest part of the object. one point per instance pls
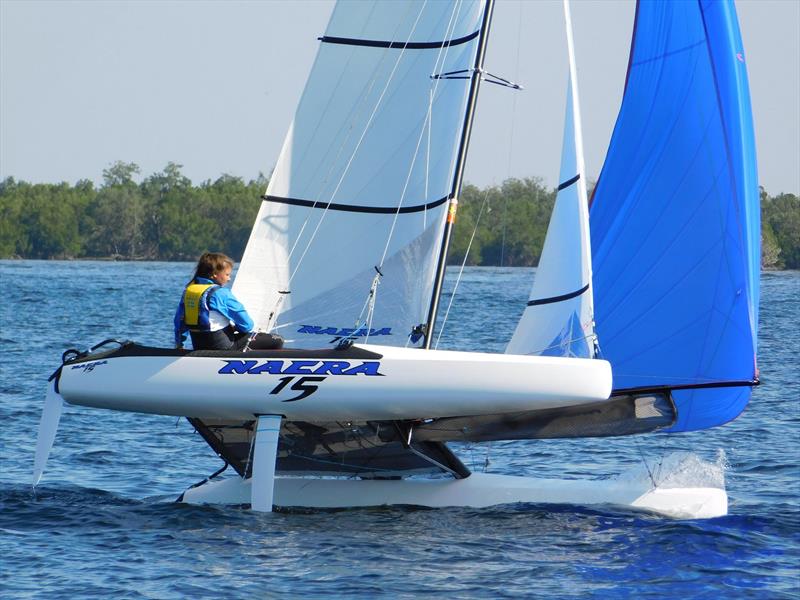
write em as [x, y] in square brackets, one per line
[558, 320]
[364, 175]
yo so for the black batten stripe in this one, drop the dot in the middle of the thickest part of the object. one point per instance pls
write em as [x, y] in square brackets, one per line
[568, 182]
[328, 39]
[382, 210]
[558, 298]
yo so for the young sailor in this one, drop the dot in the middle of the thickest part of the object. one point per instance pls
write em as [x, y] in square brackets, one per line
[211, 314]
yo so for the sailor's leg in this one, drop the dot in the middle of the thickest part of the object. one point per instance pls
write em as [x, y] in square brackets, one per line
[265, 453]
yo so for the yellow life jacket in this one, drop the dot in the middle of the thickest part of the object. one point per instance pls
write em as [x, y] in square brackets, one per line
[195, 305]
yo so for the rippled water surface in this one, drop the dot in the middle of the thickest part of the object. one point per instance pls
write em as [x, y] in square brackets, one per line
[103, 522]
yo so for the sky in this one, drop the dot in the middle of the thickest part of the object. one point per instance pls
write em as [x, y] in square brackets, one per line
[213, 85]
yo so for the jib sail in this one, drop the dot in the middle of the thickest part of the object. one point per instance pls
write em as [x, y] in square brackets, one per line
[558, 319]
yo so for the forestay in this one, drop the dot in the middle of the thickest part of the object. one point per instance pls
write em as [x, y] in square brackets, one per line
[558, 319]
[675, 216]
[364, 176]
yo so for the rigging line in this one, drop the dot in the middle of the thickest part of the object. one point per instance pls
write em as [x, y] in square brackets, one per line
[511, 136]
[324, 182]
[428, 157]
[431, 95]
[402, 196]
[333, 162]
[497, 80]
[423, 125]
[371, 297]
[449, 73]
[560, 344]
[454, 158]
[443, 56]
[357, 109]
[360, 141]
[356, 114]
[373, 293]
[646, 466]
[457, 169]
[443, 50]
[660, 464]
[461, 270]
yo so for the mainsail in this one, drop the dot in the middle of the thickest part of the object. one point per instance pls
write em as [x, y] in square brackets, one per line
[675, 217]
[346, 241]
[558, 319]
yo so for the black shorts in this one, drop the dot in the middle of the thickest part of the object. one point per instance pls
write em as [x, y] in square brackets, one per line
[230, 339]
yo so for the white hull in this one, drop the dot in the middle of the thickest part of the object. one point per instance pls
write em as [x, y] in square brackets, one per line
[479, 490]
[402, 383]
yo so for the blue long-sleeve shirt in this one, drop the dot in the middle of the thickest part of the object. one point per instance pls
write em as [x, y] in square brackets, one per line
[224, 302]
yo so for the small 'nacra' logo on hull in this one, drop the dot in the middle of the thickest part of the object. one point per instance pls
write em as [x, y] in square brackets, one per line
[300, 367]
[88, 367]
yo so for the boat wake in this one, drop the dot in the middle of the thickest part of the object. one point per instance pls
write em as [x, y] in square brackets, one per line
[680, 470]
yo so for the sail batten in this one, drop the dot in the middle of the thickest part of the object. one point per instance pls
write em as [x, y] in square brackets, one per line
[387, 210]
[399, 45]
[571, 181]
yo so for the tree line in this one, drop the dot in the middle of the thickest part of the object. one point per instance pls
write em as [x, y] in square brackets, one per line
[503, 239]
[166, 217]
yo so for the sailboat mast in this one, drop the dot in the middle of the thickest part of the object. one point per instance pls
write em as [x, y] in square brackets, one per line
[477, 74]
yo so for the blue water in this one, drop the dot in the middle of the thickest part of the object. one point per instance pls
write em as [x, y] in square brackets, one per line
[103, 522]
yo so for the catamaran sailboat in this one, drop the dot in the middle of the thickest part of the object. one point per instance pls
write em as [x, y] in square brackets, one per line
[643, 322]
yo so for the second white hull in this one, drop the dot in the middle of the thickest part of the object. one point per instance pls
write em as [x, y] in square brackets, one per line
[479, 490]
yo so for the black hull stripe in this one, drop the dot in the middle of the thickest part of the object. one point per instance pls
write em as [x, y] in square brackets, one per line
[327, 39]
[381, 210]
[689, 386]
[568, 182]
[561, 298]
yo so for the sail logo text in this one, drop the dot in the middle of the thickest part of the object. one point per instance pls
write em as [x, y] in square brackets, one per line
[300, 367]
[346, 332]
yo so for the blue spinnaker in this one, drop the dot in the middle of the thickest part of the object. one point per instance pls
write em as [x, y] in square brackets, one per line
[675, 222]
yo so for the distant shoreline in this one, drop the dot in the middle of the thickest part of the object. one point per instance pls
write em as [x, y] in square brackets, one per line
[167, 218]
[191, 260]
